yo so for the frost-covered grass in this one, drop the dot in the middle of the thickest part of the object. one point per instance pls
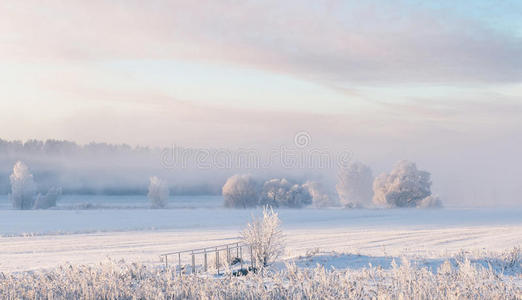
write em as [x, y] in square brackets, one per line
[457, 279]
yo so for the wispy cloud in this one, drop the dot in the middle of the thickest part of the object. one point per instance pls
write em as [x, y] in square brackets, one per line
[345, 43]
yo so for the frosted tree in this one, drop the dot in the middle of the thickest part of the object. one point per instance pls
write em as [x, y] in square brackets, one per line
[274, 191]
[354, 185]
[404, 186]
[265, 237]
[241, 191]
[49, 199]
[22, 187]
[158, 193]
[280, 192]
[320, 198]
[298, 196]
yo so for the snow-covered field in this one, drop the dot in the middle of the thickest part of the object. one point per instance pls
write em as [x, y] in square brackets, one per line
[338, 239]
[45, 238]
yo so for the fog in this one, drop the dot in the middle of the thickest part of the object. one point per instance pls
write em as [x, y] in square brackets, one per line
[437, 85]
[480, 176]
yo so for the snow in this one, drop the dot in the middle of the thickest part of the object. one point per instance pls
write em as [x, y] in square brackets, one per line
[40, 239]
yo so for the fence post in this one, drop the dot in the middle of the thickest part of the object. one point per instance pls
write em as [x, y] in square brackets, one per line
[241, 256]
[227, 260]
[251, 257]
[193, 263]
[217, 260]
[228, 255]
[205, 263]
[179, 262]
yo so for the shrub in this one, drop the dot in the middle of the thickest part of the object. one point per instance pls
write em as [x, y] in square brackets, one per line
[265, 238]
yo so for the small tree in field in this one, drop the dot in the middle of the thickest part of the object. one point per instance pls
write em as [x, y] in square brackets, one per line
[22, 187]
[241, 191]
[265, 237]
[405, 186]
[280, 192]
[158, 193]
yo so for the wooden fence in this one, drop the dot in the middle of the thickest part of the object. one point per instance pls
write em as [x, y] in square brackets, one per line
[232, 255]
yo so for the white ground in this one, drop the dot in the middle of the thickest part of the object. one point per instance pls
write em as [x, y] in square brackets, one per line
[90, 236]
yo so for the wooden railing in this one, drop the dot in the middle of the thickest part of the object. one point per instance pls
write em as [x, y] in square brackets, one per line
[235, 253]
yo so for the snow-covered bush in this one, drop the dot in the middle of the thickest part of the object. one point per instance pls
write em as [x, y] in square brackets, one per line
[158, 193]
[354, 185]
[405, 186]
[265, 238]
[274, 190]
[320, 198]
[49, 199]
[280, 192]
[241, 191]
[22, 187]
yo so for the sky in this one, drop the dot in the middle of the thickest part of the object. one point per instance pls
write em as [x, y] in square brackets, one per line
[432, 81]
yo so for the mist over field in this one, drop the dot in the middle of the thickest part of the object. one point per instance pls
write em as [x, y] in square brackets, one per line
[479, 177]
[437, 84]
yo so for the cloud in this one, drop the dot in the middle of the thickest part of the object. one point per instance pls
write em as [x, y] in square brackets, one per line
[340, 43]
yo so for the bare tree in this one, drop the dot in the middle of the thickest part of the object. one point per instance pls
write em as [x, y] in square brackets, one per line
[265, 237]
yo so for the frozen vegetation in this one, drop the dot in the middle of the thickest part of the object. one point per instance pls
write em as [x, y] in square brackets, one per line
[265, 237]
[320, 196]
[158, 193]
[404, 186]
[22, 187]
[49, 199]
[354, 185]
[106, 173]
[298, 278]
[243, 191]
[385, 254]
[282, 193]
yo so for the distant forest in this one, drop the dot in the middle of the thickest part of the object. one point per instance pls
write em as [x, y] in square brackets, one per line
[100, 168]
